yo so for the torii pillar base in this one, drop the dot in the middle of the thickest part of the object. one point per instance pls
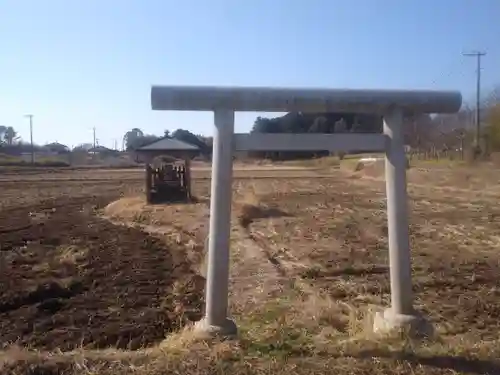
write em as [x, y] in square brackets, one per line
[414, 325]
[228, 329]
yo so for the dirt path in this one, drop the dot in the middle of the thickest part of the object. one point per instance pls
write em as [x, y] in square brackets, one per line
[253, 278]
[261, 275]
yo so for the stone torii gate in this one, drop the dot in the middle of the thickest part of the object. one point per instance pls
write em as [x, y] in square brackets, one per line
[224, 101]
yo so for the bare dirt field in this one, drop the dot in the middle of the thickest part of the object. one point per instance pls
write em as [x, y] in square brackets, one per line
[70, 278]
[94, 281]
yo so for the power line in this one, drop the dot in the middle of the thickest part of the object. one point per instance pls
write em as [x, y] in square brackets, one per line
[477, 55]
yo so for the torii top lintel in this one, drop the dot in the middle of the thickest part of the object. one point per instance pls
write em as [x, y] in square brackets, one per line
[266, 99]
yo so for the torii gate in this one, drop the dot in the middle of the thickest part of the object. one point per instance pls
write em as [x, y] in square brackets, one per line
[224, 101]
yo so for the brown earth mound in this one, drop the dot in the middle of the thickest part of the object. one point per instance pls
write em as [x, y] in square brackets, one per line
[69, 279]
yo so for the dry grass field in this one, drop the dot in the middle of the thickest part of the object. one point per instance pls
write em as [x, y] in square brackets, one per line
[94, 281]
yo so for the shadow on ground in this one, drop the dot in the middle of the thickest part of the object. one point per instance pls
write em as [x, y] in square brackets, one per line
[250, 212]
[443, 362]
[316, 272]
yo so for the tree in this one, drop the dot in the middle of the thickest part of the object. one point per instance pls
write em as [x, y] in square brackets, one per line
[340, 126]
[3, 128]
[143, 141]
[136, 138]
[209, 143]
[266, 125]
[188, 137]
[492, 120]
[357, 127]
[300, 122]
[493, 127]
[131, 137]
[10, 135]
[56, 147]
[320, 125]
[84, 147]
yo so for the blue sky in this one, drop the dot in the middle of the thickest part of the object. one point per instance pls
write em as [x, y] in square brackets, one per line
[79, 64]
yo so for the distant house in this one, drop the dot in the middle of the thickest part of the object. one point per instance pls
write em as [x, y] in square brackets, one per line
[55, 148]
[101, 150]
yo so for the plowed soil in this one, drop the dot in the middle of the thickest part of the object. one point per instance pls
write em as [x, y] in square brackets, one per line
[69, 278]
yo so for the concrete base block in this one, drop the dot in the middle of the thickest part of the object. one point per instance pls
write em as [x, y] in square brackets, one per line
[415, 324]
[227, 329]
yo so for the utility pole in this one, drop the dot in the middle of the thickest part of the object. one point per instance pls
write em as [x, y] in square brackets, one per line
[94, 137]
[31, 139]
[477, 55]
